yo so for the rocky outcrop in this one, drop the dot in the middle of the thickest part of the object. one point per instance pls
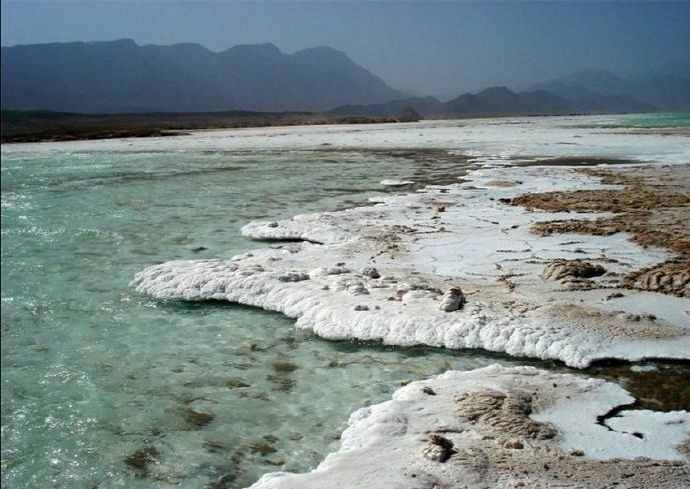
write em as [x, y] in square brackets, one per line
[452, 300]
[671, 277]
[574, 274]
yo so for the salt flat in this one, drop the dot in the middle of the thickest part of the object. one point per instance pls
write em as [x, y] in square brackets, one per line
[424, 243]
[465, 266]
[487, 140]
[501, 428]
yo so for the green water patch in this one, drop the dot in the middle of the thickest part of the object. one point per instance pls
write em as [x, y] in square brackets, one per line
[651, 121]
[105, 388]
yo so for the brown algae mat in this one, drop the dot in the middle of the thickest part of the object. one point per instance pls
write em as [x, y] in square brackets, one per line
[652, 204]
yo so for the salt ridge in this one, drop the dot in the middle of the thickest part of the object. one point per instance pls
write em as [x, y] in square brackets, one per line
[504, 428]
[424, 243]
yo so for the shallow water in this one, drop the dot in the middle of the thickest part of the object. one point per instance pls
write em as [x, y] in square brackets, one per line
[677, 119]
[93, 373]
[104, 388]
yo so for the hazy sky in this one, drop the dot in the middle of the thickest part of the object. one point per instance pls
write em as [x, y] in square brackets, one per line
[421, 47]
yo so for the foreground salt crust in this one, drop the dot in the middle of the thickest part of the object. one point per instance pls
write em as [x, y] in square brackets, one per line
[425, 243]
[503, 428]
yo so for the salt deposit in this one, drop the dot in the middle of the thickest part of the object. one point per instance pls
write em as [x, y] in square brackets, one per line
[503, 428]
[477, 244]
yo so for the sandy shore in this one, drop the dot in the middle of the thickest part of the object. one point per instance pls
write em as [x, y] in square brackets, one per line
[554, 262]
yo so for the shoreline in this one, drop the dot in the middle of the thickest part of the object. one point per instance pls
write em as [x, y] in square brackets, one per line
[409, 240]
[46, 126]
[504, 428]
[381, 273]
[19, 127]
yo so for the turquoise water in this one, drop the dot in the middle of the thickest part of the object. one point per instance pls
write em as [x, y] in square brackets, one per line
[676, 119]
[103, 388]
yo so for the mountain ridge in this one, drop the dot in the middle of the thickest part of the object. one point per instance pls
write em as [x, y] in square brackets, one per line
[122, 76]
[500, 100]
[667, 88]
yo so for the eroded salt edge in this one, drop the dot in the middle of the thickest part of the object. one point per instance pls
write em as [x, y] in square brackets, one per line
[383, 445]
[322, 287]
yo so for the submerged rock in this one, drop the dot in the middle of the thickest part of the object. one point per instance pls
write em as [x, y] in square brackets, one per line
[284, 366]
[236, 383]
[197, 418]
[142, 458]
[262, 447]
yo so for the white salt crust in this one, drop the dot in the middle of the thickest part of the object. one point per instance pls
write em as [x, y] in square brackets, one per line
[424, 243]
[385, 445]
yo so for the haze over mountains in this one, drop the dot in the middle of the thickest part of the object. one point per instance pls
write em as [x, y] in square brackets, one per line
[121, 76]
[667, 89]
[503, 101]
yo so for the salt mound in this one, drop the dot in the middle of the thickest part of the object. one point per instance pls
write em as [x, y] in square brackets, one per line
[396, 183]
[503, 428]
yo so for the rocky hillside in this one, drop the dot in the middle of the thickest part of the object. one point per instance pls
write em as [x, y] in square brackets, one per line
[121, 76]
[503, 101]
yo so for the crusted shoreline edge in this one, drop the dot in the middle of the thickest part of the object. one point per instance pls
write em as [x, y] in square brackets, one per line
[382, 273]
[519, 436]
[503, 428]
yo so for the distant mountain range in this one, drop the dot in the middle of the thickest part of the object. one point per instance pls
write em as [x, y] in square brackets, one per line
[503, 101]
[121, 76]
[667, 89]
[587, 91]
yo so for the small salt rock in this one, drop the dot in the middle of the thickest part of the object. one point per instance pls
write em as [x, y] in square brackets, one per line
[358, 289]
[293, 277]
[438, 448]
[452, 300]
[370, 272]
[514, 443]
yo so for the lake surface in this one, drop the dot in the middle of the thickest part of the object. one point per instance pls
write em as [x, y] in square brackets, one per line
[104, 388]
